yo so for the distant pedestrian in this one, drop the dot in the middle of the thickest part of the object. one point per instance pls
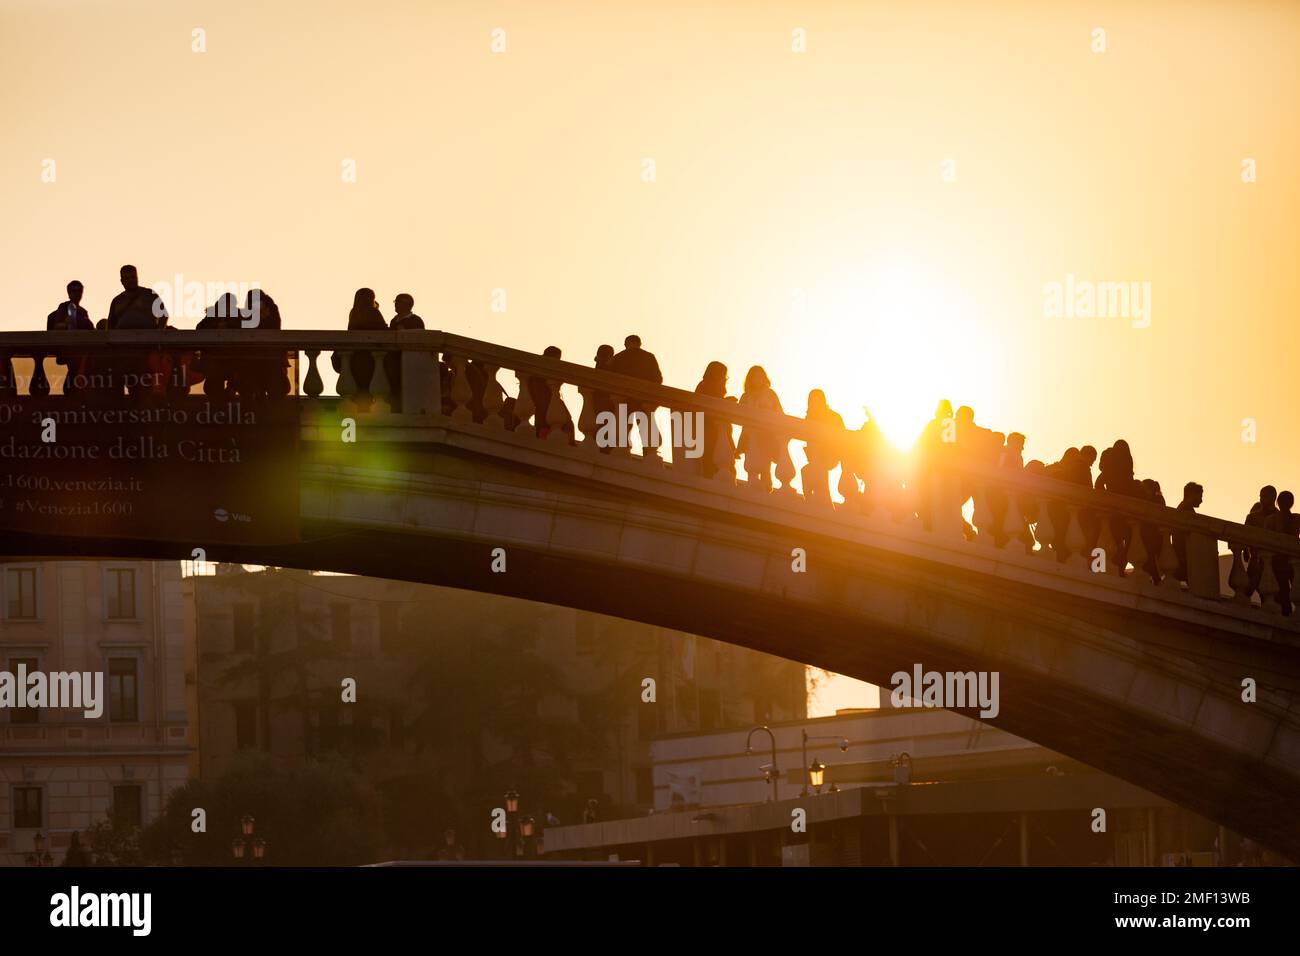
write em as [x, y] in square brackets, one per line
[760, 446]
[636, 362]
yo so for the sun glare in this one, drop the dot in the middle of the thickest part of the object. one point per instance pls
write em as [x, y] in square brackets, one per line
[908, 345]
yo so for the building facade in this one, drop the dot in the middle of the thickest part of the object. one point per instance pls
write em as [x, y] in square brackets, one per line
[60, 771]
[275, 647]
[893, 787]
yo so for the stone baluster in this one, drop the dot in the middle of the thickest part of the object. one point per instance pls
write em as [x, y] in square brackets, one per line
[1043, 530]
[556, 415]
[40, 385]
[1013, 522]
[1268, 584]
[982, 518]
[1074, 542]
[312, 386]
[461, 394]
[1106, 541]
[491, 397]
[1137, 555]
[524, 408]
[587, 417]
[347, 385]
[1238, 579]
[784, 470]
[1167, 562]
[945, 505]
[381, 392]
[723, 456]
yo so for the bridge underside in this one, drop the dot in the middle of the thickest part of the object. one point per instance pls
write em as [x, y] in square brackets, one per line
[1152, 698]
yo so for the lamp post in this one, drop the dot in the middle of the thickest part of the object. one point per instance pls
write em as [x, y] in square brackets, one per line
[820, 777]
[40, 856]
[247, 848]
[518, 829]
[817, 774]
[770, 770]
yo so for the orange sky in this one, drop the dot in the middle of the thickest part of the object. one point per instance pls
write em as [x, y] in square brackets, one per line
[799, 216]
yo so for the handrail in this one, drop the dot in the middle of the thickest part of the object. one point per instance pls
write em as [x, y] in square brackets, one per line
[527, 364]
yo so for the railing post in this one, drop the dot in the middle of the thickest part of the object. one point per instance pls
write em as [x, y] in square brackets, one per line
[524, 407]
[1238, 579]
[421, 390]
[40, 385]
[381, 393]
[461, 393]
[491, 397]
[312, 386]
[1203, 566]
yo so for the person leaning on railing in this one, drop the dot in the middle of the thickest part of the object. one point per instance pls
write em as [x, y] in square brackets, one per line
[364, 317]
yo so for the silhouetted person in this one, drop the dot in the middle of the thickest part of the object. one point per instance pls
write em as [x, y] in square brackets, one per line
[934, 448]
[823, 453]
[1011, 458]
[1193, 495]
[1283, 521]
[220, 367]
[69, 316]
[363, 317]
[1115, 475]
[636, 362]
[263, 376]
[760, 447]
[600, 399]
[539, 390]
[135, 307]
[404, 320]
[718, 450]
[1261, 514]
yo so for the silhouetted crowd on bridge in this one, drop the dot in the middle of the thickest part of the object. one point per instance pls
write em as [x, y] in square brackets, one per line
[950, 440]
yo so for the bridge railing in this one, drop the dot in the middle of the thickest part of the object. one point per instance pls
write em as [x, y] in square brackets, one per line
[1011, 513]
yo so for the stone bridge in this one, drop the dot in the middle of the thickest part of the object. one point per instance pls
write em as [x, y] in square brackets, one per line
[1137, 669]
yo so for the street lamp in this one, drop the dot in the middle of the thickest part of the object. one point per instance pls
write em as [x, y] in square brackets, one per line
[817, 774]
[240, 845]
[771, 769]
[40, 856]
[844, 746]
[512, 801]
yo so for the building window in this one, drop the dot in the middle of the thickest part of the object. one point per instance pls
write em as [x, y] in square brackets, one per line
[123, 690]
[245, 627]
[120, 586]
[245, 725]
[27, 808]
[20, 594]
[341, 626]
[24, 715]
[128, 809]
[390, 625]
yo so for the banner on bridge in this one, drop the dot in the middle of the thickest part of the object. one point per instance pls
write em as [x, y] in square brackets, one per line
[200, 470]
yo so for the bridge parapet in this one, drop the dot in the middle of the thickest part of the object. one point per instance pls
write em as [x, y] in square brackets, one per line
[435, 375]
